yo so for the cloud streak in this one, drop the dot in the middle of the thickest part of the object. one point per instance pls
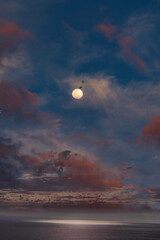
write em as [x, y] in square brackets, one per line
[126, 43]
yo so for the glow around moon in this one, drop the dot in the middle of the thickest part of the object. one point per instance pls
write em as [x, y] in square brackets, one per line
[77, 93]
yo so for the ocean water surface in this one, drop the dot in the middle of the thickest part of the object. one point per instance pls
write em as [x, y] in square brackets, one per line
[32, 230]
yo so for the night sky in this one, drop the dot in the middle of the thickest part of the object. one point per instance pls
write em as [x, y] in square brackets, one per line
[109, 140]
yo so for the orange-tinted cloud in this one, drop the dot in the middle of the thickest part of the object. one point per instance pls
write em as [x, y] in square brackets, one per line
[73, 171]
[10, 31]
[79, 172]
[151, 133]
[107, 30]
[31, 162]
[24, 105]
[10, 35]
[87, 174]
[15, 99]
[126, 43]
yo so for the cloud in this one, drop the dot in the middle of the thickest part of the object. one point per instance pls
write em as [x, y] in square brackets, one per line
[14, 64]
[126, 43]
[151, 132]
[87, 174]
[21, 106]
[10, 32]
[17, 100]
[14, 59]
[143, 29]
[74, 171]
[154, 192]
[74, 34]
[48, 120]
[10, 162]
[130, 100]
[130, 105]
[37, 138]
[97, 90]
[81, 49]
[128, 197]
[94, 140]
[115, 198]
[121, 112]
[108, 30]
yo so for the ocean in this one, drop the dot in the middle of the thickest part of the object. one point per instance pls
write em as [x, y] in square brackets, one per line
[19, 230]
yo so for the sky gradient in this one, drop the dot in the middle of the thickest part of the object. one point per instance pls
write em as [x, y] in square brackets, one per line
[108, 141]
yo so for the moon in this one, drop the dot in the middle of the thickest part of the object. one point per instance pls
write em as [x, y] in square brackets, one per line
[77, 93]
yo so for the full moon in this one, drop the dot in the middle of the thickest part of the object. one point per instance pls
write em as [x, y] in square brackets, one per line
[77, 93]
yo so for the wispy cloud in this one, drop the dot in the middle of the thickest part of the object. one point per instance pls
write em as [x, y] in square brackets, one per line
[82, 50]
[143, 29]
[97, 90]
[125, 41]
